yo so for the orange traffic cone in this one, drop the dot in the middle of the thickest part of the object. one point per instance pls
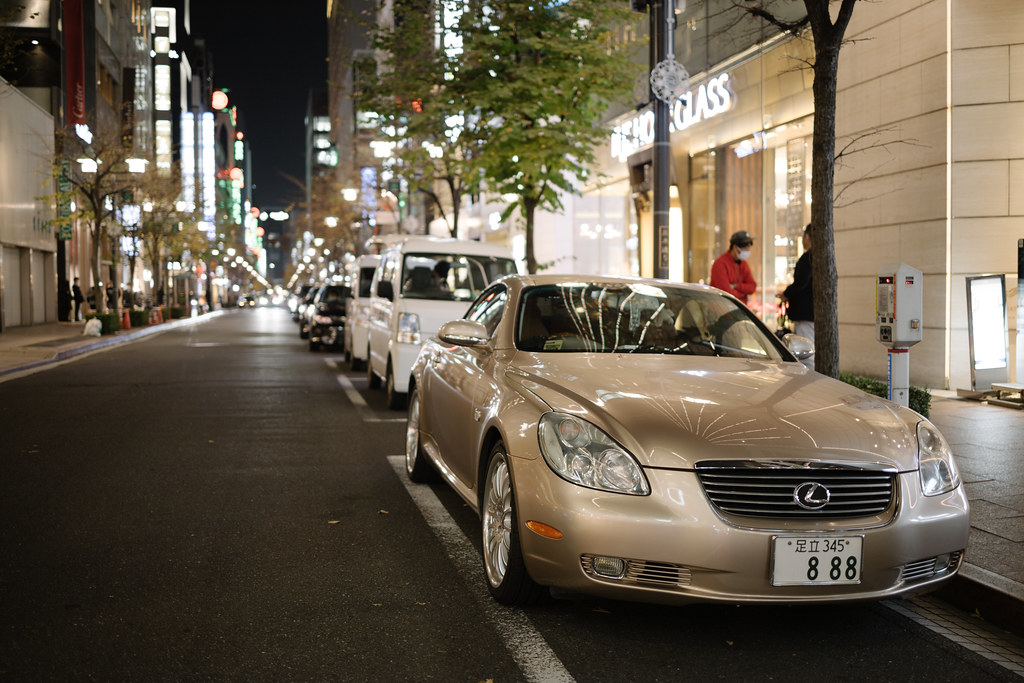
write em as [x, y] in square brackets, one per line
[126, 320]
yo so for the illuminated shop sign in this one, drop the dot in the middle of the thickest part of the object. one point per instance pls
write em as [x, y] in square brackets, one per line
[711, 99]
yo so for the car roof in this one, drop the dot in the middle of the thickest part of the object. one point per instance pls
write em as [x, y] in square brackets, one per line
[427, 244]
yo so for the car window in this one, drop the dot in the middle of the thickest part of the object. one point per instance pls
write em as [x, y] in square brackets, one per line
[487, 309]
[453, 277]
[639, 318]
[365, 280]
[386, 271]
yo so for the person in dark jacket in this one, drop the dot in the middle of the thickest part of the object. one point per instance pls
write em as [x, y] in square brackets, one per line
[799, 296]
[78, 298]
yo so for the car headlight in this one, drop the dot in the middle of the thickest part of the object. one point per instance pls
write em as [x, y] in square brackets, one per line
[583, 454]
[409, 328]
[938, 471]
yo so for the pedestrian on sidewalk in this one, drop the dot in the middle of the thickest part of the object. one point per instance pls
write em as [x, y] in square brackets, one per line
[799, 296]
[78, 297]
[730, 272]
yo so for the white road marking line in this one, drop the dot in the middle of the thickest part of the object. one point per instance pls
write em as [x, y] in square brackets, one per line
[364, 410]
[526, 645]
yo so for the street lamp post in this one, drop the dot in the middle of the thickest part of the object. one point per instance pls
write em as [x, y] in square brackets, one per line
[669, 81]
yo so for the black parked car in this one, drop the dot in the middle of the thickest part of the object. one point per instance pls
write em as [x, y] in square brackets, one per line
[326, 316]
[305, 309]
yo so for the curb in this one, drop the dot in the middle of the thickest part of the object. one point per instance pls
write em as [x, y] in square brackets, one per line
[116, 339]
[996, 599]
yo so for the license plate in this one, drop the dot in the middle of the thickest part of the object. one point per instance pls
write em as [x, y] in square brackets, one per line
[816, 560]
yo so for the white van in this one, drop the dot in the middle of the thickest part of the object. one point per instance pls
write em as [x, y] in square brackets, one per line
[357, 330]
[422, 282]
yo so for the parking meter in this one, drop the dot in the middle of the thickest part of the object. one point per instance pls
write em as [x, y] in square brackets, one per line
[899, 297]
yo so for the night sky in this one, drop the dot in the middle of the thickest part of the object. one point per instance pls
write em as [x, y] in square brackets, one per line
[268, 54]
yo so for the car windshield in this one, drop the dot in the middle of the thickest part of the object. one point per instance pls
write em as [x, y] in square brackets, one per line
[451, 277]
[334, 293]
[639, 318]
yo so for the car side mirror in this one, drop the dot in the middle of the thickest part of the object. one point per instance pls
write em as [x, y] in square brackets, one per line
[463, 333]
[385, 290]
[801, 347]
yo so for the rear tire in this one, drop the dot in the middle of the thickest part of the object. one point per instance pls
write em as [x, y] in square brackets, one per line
[417, 466]
[313, 345]
[507, 578]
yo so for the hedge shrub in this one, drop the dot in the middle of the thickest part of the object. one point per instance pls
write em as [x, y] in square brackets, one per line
[920, 399]
[111, 322]
[139, 318]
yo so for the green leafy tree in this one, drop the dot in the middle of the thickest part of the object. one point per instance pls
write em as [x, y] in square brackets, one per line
[100, 192]
[325, 212]
[541, 73]
[421, 109]
[166, 226]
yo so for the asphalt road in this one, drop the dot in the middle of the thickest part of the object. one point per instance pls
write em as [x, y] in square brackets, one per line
[218, 503]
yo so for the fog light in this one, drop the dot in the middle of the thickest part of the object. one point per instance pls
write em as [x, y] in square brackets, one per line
[942, 563]
[611, 567]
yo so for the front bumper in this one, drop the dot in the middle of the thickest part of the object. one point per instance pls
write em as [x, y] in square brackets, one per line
[681, 550]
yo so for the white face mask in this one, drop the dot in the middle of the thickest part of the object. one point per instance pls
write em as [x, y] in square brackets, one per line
[744, 254]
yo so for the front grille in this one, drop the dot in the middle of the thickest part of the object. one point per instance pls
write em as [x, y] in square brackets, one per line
[644, 572]
[763, 489]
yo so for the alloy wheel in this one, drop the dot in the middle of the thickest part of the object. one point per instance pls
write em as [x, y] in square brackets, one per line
[497, 519]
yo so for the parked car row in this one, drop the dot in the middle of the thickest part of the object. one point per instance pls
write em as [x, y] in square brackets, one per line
[645, 440]
[320, 311]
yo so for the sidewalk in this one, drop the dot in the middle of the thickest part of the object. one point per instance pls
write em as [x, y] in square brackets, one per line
[988, 441]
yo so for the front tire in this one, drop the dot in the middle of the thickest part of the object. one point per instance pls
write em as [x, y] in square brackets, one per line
[507, 578]
[416, 464]
[396, 399]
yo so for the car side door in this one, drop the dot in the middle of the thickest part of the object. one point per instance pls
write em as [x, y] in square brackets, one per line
[381, 307]
[460, 387]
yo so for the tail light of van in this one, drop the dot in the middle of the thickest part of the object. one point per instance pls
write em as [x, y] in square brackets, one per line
[409, 328]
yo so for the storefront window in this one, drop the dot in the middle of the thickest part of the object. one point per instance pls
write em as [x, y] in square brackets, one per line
[729, 188]
[711, 31]
[605, 233]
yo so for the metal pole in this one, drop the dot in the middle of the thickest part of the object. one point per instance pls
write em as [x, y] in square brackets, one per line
[1020, 311]
[660, 16]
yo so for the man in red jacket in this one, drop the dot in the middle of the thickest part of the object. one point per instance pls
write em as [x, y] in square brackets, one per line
[731, 272]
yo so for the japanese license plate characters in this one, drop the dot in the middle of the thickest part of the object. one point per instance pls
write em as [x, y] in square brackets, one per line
[816, 560]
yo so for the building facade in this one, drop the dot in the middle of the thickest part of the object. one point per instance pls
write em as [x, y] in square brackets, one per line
[930, 122]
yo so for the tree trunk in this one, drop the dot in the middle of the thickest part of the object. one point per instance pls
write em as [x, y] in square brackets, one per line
[828, 38]
[99, 296]
[826, 321]
[529, 208]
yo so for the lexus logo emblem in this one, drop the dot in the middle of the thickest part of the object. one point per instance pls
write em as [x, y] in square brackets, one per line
[811, 495]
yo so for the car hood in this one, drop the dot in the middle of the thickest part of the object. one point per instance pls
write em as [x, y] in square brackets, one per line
[674, 411]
